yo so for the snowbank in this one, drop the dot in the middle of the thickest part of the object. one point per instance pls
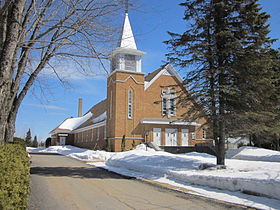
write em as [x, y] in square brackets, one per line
[75, 152]
[245, 176]
[257, 154]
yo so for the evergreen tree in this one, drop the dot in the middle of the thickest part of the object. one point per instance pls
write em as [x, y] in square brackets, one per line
[41, 144]
[35, 142]
[227, 52]
[28, 138]
[269, 136]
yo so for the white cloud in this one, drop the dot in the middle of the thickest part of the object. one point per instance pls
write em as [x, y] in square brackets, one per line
[69, 70]
[46, 106]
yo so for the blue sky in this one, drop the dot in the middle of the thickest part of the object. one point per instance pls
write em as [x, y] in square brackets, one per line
[49, 102]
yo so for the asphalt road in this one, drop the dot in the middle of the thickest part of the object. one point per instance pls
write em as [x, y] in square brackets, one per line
[58, 182]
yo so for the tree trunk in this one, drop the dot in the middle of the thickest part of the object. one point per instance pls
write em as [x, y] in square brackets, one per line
[3, 125]
[10, 128]
[7, 116]
[220, 42]
[9, 45]
[221, 145]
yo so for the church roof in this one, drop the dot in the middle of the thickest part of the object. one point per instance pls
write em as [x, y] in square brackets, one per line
[71, 123]
[150, 76]
[166, 69]
[97, 110]
[127, 39]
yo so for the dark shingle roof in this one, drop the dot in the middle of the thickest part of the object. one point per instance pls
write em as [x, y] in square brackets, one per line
[150, 76]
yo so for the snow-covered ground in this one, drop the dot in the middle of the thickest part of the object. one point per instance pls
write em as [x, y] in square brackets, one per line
[183, 171]
[74, 152]
[257, 154]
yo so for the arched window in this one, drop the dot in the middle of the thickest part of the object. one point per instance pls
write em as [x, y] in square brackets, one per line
[130, 104]
[111, 104]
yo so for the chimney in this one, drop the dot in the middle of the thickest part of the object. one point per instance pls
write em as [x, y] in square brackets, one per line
[80, 107]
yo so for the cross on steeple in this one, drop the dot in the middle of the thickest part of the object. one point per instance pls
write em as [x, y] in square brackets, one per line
[126, 6]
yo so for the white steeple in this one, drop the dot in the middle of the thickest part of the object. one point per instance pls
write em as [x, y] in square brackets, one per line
[127, 39]
[126, 57]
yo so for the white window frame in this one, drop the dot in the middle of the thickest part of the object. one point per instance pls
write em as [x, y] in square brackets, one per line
[168, 95]
[164, 106]
[130, 59]
[193, 136]
[204, 134]
[130, 104]
[172, 111]
[111, 104]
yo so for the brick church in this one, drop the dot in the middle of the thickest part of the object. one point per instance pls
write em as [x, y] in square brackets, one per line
[137, 108]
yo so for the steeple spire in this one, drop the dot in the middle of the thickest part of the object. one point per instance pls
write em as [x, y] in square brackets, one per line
[126, 57]
[127, 39]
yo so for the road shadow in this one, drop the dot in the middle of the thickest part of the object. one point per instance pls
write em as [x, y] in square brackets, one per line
[44, 153]
[75, 172]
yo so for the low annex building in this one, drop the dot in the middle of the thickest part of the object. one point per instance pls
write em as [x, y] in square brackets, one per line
[137, 108]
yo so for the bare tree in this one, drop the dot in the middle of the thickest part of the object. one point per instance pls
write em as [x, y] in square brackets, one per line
[43, 30]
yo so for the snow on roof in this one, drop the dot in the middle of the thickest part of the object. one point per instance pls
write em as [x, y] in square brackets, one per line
[72, 123]
[99, 118]
[164, 70]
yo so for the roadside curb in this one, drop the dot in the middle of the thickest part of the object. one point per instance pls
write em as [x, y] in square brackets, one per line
[192, 193]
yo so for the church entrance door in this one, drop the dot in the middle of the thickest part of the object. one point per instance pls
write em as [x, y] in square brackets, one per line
[157, 136]
[171, 137]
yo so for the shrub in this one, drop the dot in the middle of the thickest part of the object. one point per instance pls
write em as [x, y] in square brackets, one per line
[14, 177]
[123, 144]
[133, 145]
[108, 145]
[48, 142]
[240, 144]
[19, 141]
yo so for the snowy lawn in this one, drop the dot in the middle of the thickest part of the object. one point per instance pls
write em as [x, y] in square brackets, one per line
[257, 154]
[182, 170]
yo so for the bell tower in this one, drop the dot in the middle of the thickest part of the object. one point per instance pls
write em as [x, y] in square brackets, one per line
[125, 91]
[126, 57]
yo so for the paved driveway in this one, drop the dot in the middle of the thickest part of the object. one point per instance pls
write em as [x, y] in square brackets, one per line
[58, 182]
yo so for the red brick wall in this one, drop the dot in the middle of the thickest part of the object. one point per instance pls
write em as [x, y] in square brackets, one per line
[89, 139]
